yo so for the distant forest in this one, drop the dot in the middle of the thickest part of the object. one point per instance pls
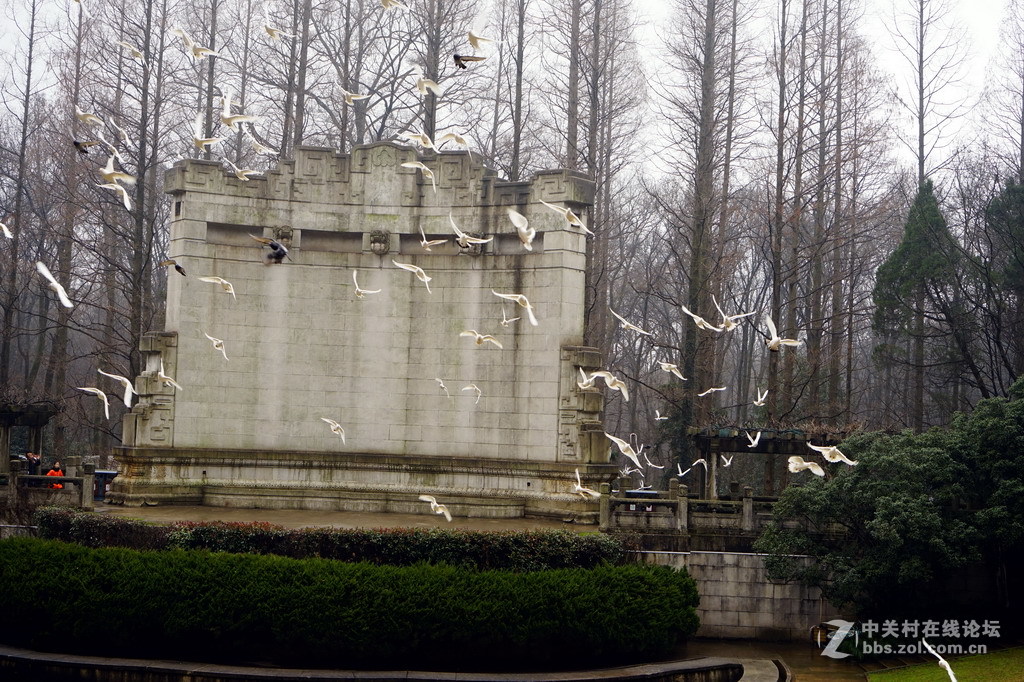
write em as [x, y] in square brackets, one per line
[747, 157]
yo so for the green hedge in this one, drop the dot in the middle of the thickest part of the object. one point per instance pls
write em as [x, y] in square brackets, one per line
[313, 612]
[485, 550]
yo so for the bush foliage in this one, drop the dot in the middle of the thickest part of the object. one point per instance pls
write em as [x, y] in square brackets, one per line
[517, 551]
[314, 612]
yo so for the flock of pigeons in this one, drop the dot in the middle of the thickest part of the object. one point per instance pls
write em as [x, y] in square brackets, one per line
[117, 180]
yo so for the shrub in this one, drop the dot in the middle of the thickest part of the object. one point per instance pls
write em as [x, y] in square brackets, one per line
[484, 550]
[313, 612]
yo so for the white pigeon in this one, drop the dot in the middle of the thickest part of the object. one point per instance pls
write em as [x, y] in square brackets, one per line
[700, 321]
[421, 139]
[650, 463]
[580, 490]
[113, 176]
[672, 369]
[233, 120]
[444, 388]
[711, 390]
[335, 428]
[587, 382]
[681, 472]
[481, 338]
[200, 142]
[627, 325]
[703, 462]
[753, 441]
[626, 449]
[832, 454]
[464, 240]
[797, 464]
[478, 41]
[166, 380]
[360, 292]
[242, 174]
[135, 52]
[101, 395]
[571, 219]
[218, 344]
[427, 243]
[523, 229]
[658, 416]
[416, 270]
[454, 138]
[7, 231]
[120, 190]
[424, 84]
[612, 382]
[476, 389]
[773, 342]
[522, 301]
[729, 321]
[224, 284]
[54, 284]
[942, 662]
[352, 97]
[761, 397]
[392, 4]
[195, 51]
[87, 118]
[506, 320]
[420, 166]
[437, 508]
[726, 461]
[128, 388]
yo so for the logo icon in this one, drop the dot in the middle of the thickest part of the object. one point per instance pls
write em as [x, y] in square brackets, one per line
[837, 637]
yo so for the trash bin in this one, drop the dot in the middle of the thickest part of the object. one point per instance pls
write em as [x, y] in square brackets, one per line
[101, 483]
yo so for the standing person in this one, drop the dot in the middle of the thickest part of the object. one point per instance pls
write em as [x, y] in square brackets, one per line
[56, 471]
[35, 463]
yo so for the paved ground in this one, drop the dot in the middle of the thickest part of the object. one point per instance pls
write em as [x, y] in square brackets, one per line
[806, 662]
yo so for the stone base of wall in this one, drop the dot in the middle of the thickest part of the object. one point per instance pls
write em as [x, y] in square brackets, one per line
[355, 482]
[737, 600]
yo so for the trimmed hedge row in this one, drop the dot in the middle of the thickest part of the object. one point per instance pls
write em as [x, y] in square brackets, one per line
[507, 550]
[313, 612]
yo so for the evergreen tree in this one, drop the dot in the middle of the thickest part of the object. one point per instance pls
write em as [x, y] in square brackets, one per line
[909, 284]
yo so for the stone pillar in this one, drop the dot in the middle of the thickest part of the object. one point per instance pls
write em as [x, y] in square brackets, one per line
[748, 509]
[605, 507]
[673, 494]
[88, 481]
[72, 465]
[682, 511]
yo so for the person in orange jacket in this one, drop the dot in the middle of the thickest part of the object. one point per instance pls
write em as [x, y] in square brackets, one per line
[55, 471]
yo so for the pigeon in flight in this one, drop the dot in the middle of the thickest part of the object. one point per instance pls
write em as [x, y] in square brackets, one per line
[277, 250]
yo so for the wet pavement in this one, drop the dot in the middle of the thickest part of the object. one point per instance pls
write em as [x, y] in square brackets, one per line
[803, 659]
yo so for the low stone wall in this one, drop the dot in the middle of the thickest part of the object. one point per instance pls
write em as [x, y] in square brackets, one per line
[23, 665]
[737, 600]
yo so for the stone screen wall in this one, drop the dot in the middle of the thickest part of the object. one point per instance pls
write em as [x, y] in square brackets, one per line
[301, 345]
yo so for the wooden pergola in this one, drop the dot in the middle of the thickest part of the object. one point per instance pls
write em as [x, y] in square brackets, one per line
[33, 415]
[711, 442]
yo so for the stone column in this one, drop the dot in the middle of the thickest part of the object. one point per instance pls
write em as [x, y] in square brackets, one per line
[88, 481]
[605, 507]
[682, 511]
[748, 509]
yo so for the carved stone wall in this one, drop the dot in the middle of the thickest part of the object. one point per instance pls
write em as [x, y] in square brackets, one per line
[301, 345]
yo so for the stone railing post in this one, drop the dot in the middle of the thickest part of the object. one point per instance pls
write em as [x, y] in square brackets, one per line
[73, 465]
[14, 473]
[682, 511]
[748, 509]
[88, 481]
[673, 495]
[605, 507]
